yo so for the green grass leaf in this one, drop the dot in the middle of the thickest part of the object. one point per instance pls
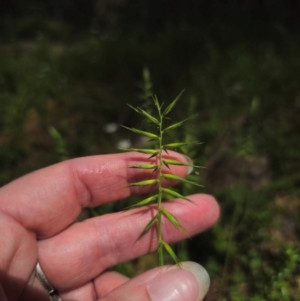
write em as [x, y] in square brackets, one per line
[145, 166]
[152, 152]
[178, 124]
[147, 134]
[175, 194]
[144, 183]
[157, 165]
[175, 162]
[173, 220]
[148, 226]
[166, 164]
[155, 100]
[174, 145]
[172, 104]
[176, 178]
[171, 252]
[144, 113]
[144, 202]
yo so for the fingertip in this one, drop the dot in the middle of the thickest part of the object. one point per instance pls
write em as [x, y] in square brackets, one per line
[190, 281]
[108, 281]
[201, 276]
[214, 207]
[209, 204]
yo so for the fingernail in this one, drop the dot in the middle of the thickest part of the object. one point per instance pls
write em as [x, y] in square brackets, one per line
[190, 282]
[191, 164]
[201, 276]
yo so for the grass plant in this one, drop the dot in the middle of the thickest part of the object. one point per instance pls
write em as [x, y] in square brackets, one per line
[41, 86]
[157, 155]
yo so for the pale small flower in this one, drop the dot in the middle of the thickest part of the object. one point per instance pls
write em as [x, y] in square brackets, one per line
[110, 128]
[124, 143]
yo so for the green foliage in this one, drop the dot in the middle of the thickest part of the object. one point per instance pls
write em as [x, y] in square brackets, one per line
[60, 148]
[157, 154]
[246, 94]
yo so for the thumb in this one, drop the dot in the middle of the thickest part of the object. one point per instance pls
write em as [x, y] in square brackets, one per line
[190, 282]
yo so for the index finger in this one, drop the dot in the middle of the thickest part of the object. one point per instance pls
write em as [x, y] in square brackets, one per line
[50, 199]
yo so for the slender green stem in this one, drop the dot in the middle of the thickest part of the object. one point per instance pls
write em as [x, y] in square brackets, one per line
[159, 226]
[157, 153]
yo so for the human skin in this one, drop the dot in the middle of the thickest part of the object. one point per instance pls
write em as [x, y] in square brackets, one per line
[37, 222]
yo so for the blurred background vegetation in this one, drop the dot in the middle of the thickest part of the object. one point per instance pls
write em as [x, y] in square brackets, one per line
[68, 69]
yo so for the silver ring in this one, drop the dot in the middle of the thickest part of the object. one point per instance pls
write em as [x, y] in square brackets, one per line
[46, 284]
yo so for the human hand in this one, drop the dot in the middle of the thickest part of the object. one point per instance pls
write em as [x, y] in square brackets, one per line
[37, 214]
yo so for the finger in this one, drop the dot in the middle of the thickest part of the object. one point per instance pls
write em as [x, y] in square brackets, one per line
[86, 249]
[85, 292]
[190, 282]
[109, 281]
[48, 200]
[105, 283]
[16, 244]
